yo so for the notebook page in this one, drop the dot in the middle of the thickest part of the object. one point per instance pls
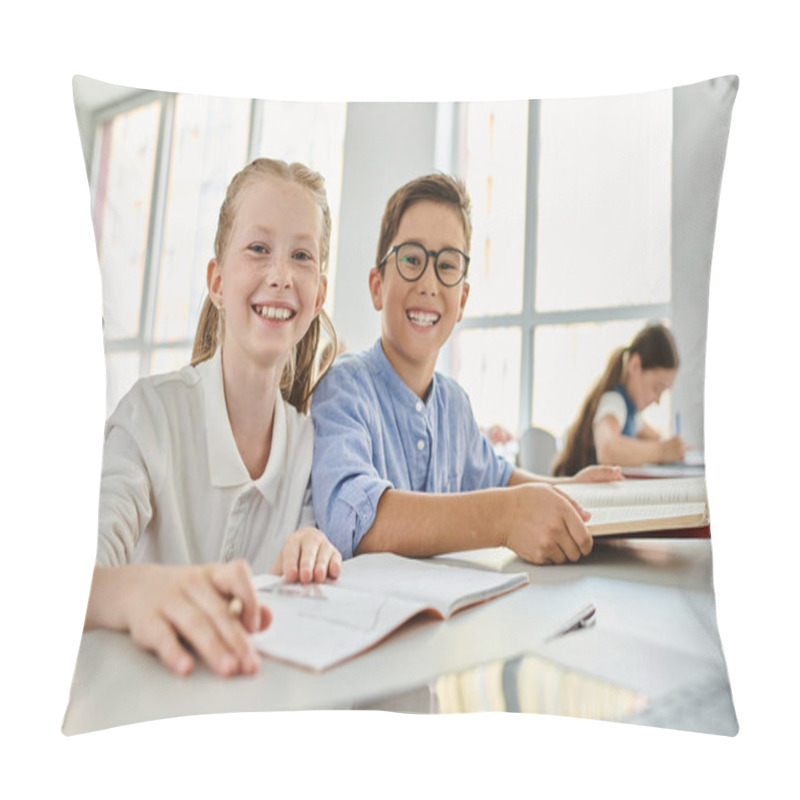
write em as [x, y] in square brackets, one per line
[440, 586]
[656, 491]
[325, 624]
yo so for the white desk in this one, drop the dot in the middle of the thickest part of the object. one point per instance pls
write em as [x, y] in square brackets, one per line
[652, 596]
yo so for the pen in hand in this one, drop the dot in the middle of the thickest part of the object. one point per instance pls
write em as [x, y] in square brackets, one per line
[235, 607]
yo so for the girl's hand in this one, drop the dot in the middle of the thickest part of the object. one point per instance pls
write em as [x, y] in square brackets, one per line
[308, 556]
[546, 526]
[597, 474]
[673, 449]
[173, 611]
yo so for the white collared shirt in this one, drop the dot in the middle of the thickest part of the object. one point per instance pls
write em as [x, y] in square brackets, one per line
[174, 489]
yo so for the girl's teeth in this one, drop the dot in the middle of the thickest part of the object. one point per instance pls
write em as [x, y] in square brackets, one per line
[272, 312]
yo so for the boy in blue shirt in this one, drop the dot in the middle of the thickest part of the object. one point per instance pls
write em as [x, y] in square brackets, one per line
[399, 463]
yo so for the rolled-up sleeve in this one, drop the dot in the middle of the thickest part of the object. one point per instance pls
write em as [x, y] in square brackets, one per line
[611, 404]
[346, 485]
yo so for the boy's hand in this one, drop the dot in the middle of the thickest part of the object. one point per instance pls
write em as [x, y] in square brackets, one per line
[308, 556]
[597, 474]
[171, 609]
[546, 526]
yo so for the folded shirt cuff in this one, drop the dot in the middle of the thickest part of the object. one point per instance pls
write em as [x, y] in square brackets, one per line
[354, 512]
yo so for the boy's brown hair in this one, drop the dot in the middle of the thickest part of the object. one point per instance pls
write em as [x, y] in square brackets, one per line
[438, 188]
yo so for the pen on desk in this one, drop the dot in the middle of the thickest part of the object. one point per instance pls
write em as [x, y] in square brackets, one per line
[583, 619]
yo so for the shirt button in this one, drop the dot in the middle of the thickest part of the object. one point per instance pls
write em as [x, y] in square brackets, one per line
[229, 554]
[419, 405]
[420, 445]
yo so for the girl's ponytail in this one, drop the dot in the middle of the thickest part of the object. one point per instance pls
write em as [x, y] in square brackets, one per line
[579, 450]
[302, 373]
[656, 349]
[207, 336]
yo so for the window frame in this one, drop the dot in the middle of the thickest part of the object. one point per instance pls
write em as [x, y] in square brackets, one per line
[529, 319]
[144, 343]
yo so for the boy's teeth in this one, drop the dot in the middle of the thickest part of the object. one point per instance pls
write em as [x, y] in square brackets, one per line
[273, 312]
[423, 317]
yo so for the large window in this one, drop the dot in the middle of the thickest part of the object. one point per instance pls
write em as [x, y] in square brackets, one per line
[571, 251]
[160, 167]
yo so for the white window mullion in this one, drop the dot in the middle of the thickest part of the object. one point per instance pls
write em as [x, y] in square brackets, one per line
[155, 231]
[256, 132]
[527, 354]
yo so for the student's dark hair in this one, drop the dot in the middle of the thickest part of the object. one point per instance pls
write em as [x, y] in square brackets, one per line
[300, 374]
[437, 188]
[656, 349]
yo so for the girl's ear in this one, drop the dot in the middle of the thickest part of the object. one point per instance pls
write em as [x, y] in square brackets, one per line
[634, 364]
[214, 282]
[463, 301]
[375, 286]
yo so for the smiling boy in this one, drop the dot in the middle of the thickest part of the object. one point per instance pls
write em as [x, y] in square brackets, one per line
[399, 463]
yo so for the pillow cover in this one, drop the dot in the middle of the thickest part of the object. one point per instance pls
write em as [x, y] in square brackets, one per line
[590, 218]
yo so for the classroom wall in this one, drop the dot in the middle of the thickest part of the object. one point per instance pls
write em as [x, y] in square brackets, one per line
[386, 145]
[699, 134]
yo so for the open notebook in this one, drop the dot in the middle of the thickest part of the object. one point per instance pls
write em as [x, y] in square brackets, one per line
[319, 625]
[638, 506]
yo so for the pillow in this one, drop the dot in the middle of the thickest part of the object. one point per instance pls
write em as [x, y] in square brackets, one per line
[591, 217]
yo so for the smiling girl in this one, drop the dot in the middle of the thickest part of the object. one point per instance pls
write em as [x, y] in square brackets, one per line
[608, 428]
[206, 470]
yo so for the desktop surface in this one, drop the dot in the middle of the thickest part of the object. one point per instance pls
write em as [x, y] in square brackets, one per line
[655, 635]
[680, 692]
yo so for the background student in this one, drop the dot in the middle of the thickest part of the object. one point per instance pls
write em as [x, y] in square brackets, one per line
[399, 462]
[206, 470]
[608, 429]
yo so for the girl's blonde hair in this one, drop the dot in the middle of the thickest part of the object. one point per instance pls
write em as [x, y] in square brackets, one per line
[300, 373]
[656, 349]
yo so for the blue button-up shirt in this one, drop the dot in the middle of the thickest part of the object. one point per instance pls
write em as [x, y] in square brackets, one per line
[372, 433]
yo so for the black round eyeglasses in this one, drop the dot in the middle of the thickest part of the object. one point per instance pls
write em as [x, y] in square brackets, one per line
[412, 259]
